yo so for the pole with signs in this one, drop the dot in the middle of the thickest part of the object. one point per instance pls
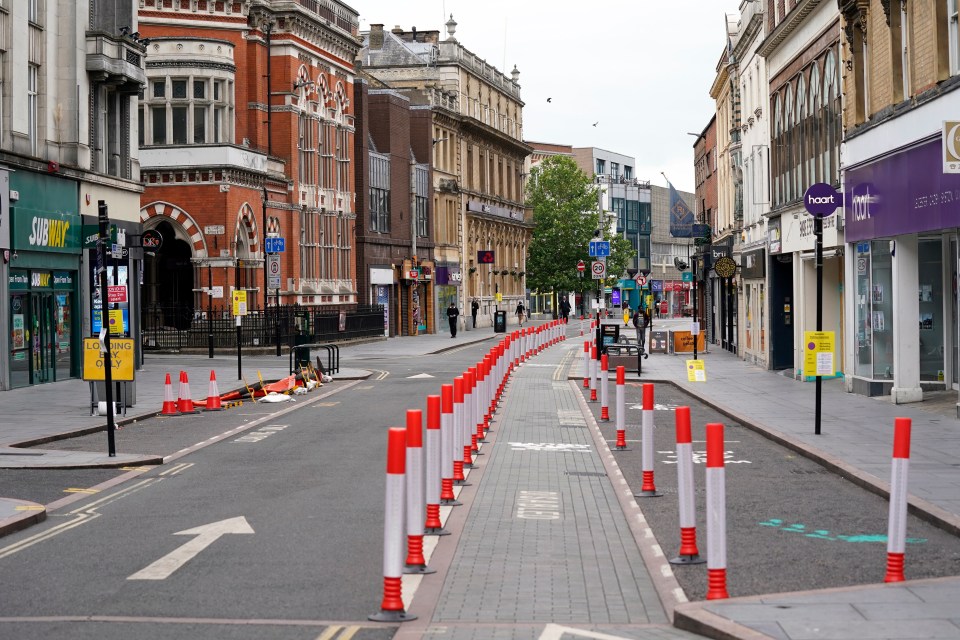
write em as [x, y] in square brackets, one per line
[209, 310]
[820, 200]
[102, 240]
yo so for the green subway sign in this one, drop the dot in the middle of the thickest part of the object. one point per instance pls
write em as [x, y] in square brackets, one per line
[46, 231]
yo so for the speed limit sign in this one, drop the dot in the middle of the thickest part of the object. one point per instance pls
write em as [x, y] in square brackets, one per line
[598, 269]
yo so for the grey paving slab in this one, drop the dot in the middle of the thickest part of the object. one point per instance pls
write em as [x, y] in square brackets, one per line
[546, 541]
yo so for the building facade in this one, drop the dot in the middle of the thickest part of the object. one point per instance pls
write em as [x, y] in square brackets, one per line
[67, 143]
[478, 161]
[395, 265]
[672, 291]
[705, 197]
[901, 186]
[246, 129]
[801, 50]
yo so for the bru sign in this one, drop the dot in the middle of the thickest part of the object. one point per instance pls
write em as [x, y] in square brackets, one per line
[121, 362]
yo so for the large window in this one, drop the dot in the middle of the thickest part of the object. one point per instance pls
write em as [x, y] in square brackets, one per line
[379, 193]
[874, 310]
[421, 199]
[187, 110]
[33, 105]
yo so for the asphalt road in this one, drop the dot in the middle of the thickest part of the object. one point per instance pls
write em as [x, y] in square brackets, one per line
[791, 524]
[306, 477]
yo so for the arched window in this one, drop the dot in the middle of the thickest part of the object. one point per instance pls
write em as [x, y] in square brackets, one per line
[830, 120]
[790, 142]
[813, 118]
[801, 139]
[777, 169]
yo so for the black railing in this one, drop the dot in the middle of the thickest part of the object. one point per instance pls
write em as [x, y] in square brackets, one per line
[172, 327]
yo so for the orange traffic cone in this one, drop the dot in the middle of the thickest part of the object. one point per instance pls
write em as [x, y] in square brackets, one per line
[213, 394]
[169, 406]
[185, 401]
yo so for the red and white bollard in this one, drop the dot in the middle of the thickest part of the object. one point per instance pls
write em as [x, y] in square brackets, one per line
[594, 374]
[416, 509]
[604, 388]
[470, 410]
[586, 364]
[391, 607]
[447, 442]
[621, 409]
[462, 445]
[897, 525]
[432, 525]
[716, 515]
[689, 554]
[648, 489]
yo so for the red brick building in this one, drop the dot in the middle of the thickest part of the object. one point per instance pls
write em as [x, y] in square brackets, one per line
[246, 128]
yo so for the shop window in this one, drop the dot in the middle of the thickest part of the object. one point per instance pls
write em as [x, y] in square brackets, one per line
[931, 324]
[874, 310]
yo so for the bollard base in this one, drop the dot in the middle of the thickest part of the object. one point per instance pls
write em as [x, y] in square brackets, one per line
[392, 616]
[687, 560]
[460, 483]
[648, 494]
[446, 502]
[623, 448]
[417, 569]
[435, 531]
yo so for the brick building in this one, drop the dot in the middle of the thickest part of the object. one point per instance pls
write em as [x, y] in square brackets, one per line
[246, 131]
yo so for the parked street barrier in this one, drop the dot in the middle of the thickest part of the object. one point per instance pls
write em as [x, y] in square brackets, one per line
[716, 515]
[432, 525]
[897, 519]
[621, 409]
[447, 440]
[391, 607]
[604, 388]
[416, 508]
[689, 554]
[648, 488]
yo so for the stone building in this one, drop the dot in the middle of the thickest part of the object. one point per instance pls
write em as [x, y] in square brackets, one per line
[478, 160]
[69, 77]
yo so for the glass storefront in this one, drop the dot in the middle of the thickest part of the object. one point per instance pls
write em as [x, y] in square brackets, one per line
[42, 322]
[874, 310]
[930, 272]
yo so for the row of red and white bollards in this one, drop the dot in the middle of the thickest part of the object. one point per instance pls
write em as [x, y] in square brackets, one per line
[457, 422]
[716, 480]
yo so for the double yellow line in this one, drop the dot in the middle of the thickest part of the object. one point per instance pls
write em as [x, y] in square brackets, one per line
[330, 633]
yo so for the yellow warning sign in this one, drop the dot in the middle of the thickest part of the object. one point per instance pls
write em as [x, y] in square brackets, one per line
[818, 348]
[696, 371]
[121, 365]
[239, 303]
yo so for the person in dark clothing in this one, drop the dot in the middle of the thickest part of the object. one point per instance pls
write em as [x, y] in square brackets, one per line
[474, 310]
[521, 311]
[452, 314]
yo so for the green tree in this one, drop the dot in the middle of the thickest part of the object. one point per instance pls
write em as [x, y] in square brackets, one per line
[565, 217]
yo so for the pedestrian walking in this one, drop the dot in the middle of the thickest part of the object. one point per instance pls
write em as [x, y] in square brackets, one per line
[452, 314]
[474, 310]
[520, 312]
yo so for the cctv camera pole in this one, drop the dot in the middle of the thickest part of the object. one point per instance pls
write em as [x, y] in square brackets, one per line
[104, 220]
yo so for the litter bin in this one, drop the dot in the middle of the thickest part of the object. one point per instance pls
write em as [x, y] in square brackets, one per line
[609, 334]
[500, 321]
[301, 350]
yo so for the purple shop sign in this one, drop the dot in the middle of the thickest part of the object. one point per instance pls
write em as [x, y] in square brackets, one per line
[903, 193]
[821, 199]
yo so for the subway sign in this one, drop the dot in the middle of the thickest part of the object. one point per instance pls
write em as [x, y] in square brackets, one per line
[46, 231]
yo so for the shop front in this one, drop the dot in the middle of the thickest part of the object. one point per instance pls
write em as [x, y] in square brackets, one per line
[754, 305]
[447, 289]
[43, 280]
[901, 222]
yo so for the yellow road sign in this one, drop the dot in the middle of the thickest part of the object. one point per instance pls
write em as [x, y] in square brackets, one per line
[696, 371]
[121, 366]
[818, 349]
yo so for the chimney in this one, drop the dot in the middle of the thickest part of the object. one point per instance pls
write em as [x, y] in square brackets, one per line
[376, 37]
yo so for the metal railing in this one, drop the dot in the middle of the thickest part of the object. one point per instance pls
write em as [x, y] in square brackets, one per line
[175, 327]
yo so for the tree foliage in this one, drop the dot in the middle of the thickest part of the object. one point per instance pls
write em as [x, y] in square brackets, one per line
[566, 218]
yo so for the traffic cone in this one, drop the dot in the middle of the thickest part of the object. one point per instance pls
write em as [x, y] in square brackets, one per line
[184, 399]
[169, 406]
[213, 394]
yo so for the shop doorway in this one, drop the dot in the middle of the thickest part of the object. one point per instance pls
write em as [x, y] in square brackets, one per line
[781, 312]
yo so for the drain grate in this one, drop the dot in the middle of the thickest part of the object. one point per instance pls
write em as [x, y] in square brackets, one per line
[587, 474]
[809, 472]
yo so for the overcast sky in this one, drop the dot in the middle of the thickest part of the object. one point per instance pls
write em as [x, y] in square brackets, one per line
[640, 69]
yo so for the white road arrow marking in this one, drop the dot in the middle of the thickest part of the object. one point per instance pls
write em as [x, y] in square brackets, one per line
[556, 632]
[419, 375]
[206, 535]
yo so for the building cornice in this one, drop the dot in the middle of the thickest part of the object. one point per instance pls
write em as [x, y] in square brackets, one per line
[787, 27]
